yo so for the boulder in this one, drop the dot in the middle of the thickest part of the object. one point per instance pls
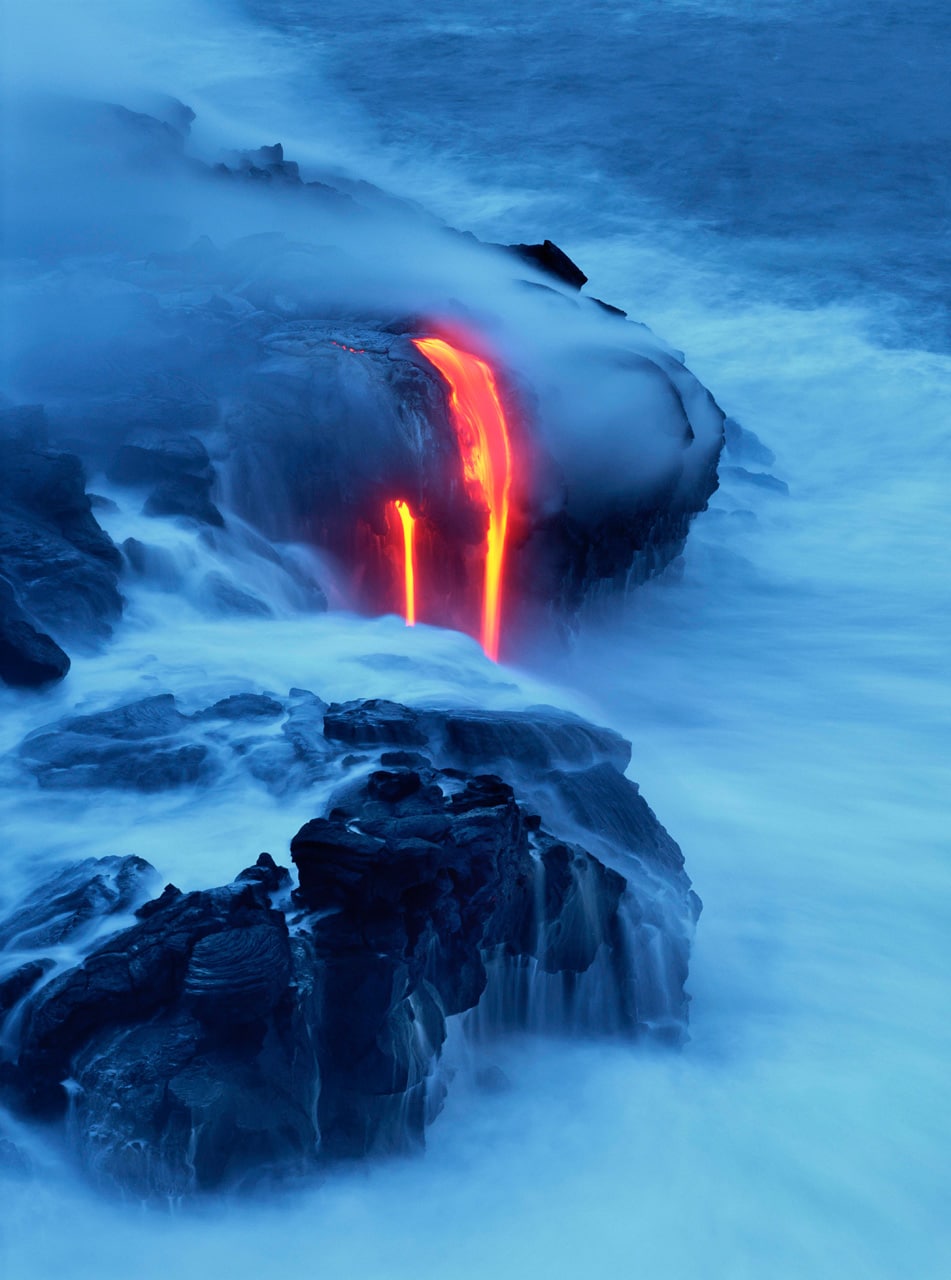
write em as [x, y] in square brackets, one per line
[29, 659]
[176, 469]
[249, 1030]
[58, 568]
[551, 260]
[134, 747]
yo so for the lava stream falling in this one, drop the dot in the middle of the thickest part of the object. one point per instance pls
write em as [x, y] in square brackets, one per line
[408, 522]
[479, 422]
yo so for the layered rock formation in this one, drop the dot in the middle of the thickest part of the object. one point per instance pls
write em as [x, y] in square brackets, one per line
[249, 1031]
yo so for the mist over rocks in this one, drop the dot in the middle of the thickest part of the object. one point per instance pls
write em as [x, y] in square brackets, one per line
[176, 470]
[255, 1030]
[259, 368]
[225, 345]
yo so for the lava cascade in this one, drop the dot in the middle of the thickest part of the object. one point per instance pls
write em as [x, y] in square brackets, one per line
[482, 431]
[408, 526]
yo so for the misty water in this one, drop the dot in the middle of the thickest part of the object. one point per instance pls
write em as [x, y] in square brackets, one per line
[766, 186]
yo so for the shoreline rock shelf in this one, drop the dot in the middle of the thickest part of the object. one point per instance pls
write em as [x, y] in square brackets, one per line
[267, 390]
[255, 1030]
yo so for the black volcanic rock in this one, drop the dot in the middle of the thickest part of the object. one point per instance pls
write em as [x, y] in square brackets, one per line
[49, 485]
[29, 659]
[578, 534]
[602, 800]
[540, 738]
[18, 982]
[178, 471]
[425, 879]
[547, 257]
[324, 412]
[186, 496]
[373, 721]
[187, 1042]
[245, 1031]
[74, 899]
[59, 566]
[243, 706]
[131, 747]
[155, 717]
[63, 587]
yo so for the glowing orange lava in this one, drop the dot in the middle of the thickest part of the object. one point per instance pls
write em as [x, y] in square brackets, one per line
[479, 421]
[408, 521]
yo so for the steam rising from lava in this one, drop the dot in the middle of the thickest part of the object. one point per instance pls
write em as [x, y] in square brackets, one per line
[186, 288]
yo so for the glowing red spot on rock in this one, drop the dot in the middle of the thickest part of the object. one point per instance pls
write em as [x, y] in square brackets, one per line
[482, 431]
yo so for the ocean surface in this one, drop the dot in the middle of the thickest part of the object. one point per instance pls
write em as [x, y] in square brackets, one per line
[767, 186]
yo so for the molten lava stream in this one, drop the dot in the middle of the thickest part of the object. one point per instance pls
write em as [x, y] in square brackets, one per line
[479, 422]
[408, 522]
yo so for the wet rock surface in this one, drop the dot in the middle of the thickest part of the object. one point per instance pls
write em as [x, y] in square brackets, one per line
[176, 470]
[29, 659]
[58, 568]
[135, 747]
[551, 260]
[76, 899]
[234, 377]
[251, 1031]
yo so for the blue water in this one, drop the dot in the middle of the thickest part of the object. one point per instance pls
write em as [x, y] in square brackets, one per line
[810, 140]
[767, 185]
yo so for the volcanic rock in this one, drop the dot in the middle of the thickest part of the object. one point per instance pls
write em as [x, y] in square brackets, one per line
[21, 980]
[540, 738]
[59, 566]
[424, 880]
[547, 257]
[246, 1031]
[75, 899]
[131, 747]
[243, 706]
[178, 471]
[29, 659]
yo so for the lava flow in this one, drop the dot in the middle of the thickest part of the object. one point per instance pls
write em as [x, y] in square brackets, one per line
[408, 522]
[480, 426]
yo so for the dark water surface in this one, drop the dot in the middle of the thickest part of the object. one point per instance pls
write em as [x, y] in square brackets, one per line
[812, 140]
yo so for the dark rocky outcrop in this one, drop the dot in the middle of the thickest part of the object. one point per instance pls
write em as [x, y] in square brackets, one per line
[547, 257]
[251, 1030]
[319, 411]
[135, 747]
[571, 539]
[176, 470]
[74, 900]
[187, 1043]
[243, 706]
[761, 479]
[29, 659]
[424, 891]
[211, 1042]
[58, 568]
[540, 738]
